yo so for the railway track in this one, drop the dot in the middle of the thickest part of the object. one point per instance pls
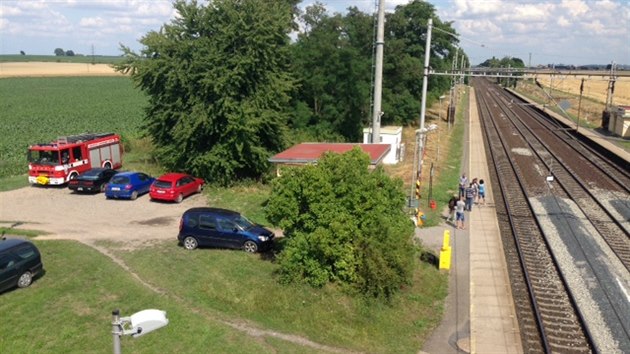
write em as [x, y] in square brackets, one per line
[564, 229]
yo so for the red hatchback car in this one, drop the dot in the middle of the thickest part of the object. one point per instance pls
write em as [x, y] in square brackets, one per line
[175, 186]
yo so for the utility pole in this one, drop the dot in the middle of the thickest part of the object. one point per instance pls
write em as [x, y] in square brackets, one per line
[425, 79]
[420, 133]
[378, 75]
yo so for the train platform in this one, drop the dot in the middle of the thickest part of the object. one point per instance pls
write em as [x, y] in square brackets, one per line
[479, 311]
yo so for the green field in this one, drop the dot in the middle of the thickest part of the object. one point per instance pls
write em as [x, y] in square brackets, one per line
[205, 294]
[97, 59]
[38, 110]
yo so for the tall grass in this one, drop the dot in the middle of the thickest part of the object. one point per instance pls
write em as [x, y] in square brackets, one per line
[447, 183]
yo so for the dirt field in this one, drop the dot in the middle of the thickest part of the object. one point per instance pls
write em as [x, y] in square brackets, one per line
[594, 87]
[91, 217]
[41, 69]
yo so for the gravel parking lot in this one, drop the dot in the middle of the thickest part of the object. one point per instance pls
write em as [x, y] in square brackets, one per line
[91, 217]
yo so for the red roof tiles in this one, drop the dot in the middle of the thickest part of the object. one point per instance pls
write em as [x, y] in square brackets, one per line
[310, 152]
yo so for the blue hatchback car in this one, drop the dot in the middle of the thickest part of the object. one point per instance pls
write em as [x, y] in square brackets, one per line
[128, 185]
[222, 228]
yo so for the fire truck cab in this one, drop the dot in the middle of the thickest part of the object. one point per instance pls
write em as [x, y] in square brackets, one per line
[58, 162]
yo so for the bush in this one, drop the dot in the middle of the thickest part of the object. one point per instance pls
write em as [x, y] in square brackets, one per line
[344, 224]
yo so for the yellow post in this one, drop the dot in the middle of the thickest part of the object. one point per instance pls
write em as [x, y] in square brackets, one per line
[445, 252]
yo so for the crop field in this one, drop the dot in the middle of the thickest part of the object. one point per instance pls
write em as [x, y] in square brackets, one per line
[98, 59]
[38, 110]
[594, 87]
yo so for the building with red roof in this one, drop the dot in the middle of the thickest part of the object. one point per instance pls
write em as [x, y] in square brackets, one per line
[308, 153]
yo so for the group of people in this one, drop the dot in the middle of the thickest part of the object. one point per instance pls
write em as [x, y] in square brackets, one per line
[469, 193]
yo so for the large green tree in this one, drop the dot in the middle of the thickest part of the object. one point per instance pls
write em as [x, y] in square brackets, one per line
[333, 96]
[344, 224]
[405, 43]
[333, 59]
[218, 86]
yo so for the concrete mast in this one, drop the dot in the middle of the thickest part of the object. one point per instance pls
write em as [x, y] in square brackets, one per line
[425, 79]
[378, 74]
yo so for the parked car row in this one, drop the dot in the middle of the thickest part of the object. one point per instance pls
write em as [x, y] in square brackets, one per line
[130, 185]
[21, 263]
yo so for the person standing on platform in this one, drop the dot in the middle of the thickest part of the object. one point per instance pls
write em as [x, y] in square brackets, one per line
[470, 194]
[463, 181]
[459, 212]
[482, 193]
[475, 186]
[451, 208]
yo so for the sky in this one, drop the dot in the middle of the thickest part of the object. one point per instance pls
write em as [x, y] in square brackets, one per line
[574, 32]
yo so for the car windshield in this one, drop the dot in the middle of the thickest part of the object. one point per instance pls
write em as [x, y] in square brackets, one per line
[162, 184]
[243, 223]
[120, 180]
[43, 157]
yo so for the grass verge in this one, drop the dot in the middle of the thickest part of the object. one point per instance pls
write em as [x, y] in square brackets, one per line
[239, 286]
[68, 310]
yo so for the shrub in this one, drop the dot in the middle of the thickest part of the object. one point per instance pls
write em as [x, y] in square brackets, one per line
[344, 224]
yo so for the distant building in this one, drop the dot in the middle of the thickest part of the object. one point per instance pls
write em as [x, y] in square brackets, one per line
[309, 153]
[391, 135]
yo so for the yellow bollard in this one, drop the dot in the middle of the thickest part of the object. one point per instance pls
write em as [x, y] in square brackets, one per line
[445, 252]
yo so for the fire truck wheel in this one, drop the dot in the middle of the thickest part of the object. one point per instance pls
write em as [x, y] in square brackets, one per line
[179, 198]
[134, 195]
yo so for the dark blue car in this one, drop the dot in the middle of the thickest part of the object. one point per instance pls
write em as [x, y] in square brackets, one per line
[128, 185]
[222, 228]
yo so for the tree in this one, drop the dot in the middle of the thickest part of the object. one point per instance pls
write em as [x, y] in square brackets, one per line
[59, 52]
[333, 96]
[69, 53]
[404, 54]
[22, 52]
[333, 59]
[218, 86]
[344, 224]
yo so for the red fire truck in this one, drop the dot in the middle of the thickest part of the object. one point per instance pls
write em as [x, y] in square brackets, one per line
[65, 158]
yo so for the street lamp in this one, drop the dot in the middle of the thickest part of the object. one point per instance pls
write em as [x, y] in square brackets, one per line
[136, 325]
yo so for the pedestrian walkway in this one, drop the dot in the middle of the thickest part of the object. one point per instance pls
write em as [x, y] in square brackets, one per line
[493, 324]
[479, 311]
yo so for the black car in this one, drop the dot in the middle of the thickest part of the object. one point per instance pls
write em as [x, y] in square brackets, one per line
[93, 180]
[223, 228]
[20, 263]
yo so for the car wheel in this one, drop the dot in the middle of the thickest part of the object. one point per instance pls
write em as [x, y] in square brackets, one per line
[134, 195]
[107, 165]
[25, 280]
[250, 246]
[190, 243]
[179, 198]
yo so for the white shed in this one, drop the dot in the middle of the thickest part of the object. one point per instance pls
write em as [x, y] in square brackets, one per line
[391, 135]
